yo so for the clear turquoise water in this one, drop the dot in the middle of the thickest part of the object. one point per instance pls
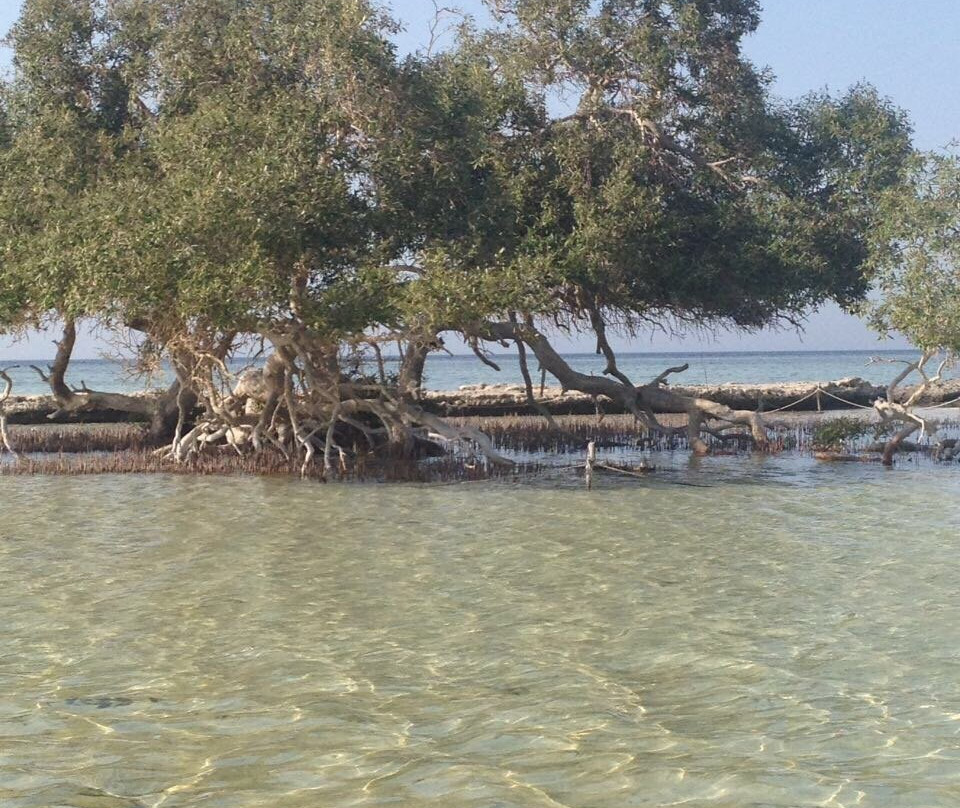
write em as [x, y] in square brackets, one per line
[770, 632]
[449, 372]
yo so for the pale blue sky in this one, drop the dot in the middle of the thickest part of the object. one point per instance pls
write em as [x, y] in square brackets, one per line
[909, 50]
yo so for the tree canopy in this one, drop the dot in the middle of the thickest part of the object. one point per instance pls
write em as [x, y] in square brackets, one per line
[917, 257]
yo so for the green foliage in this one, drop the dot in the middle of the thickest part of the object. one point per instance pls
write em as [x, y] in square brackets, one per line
[834, 435]
[179, 164]
[69, 124]
[671, 187]
[273, 167]
[917, 256]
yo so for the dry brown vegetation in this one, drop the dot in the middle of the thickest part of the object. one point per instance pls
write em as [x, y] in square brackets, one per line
[537, 443]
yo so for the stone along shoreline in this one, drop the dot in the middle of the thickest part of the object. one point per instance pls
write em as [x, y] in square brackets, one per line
[510, 399]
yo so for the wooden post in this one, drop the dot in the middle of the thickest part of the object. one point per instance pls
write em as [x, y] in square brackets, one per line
[819, 403]
[591, 460]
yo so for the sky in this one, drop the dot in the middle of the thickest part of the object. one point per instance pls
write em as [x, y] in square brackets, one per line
[909, 50]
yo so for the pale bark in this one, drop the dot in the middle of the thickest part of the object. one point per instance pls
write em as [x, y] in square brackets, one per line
[417, 416]
[641, 400]
[892, 411]
[528, 383]
[304, 402]
[162, 412]
[5, 443]
[269, 395]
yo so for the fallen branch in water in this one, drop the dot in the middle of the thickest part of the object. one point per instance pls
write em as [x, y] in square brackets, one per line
[893, 412]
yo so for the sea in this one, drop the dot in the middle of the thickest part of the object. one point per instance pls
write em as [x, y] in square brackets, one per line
[732, 632]
[751, 630]
[446, 372]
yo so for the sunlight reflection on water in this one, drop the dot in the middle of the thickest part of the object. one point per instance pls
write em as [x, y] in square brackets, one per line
[787, 634]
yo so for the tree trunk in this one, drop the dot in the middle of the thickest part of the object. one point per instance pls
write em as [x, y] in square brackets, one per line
[410, 379]
[160, 412]
[640, 400]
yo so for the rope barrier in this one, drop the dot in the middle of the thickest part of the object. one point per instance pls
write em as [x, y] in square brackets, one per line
[820, 389]
[811, 394]
[864, 407]
[843, 400]
[792, 403]
[948, 403]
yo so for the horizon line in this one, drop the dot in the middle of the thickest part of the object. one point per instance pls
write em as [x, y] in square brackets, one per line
[445, 355]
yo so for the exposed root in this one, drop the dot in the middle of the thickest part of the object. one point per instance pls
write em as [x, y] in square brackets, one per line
[312, 404]
[305, 408]
[5, 444]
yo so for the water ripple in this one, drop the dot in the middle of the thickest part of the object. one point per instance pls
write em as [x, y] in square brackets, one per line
[776, 639]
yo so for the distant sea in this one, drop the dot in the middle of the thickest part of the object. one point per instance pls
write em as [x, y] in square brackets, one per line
[444, 372]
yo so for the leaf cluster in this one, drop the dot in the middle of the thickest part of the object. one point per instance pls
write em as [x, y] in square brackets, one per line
[276, 165]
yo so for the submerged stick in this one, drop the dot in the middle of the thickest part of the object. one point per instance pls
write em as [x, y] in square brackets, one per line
[591, 462]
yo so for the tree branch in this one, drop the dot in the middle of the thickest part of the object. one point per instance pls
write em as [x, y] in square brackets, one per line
[5, 444]
[662, 378]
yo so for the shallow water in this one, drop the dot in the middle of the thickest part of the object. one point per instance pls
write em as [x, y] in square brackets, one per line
[732, 632]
